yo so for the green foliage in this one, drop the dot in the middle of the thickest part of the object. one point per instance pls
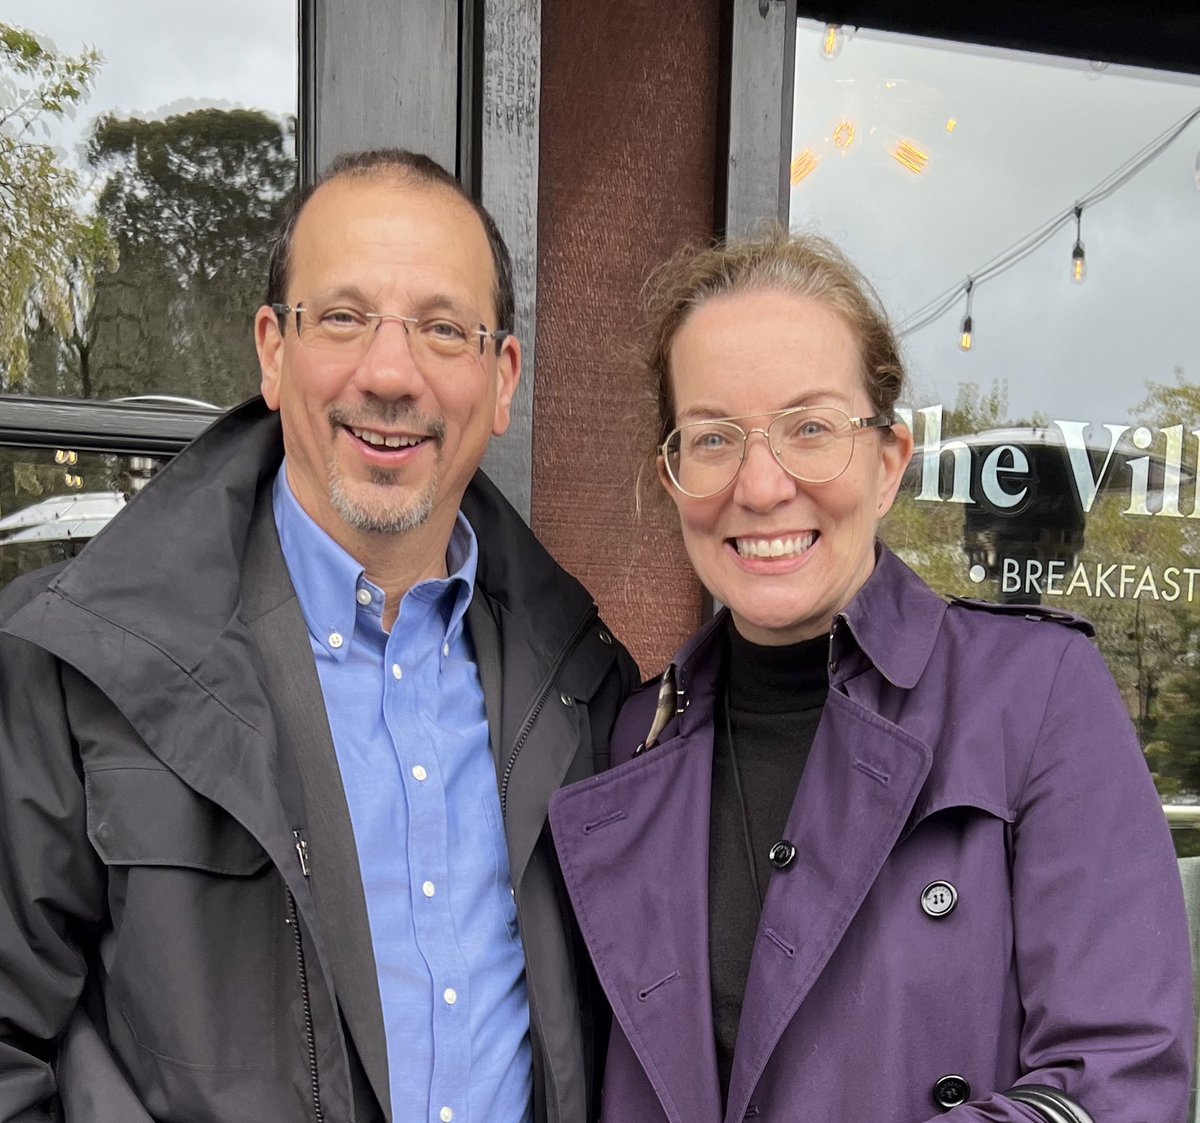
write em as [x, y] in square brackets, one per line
[50, 248]
[1171, 404]
[193, 201]
[1151, 645]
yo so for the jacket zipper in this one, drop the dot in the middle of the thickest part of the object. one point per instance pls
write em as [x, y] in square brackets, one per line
[310, 1037]
[539, 702]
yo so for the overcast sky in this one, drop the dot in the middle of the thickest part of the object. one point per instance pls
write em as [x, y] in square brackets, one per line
[162, 56]
[1030, 137]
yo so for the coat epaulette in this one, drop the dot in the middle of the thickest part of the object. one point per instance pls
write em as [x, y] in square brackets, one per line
[1030, 612]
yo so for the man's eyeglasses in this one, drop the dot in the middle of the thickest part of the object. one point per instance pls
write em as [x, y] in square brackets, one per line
[351, 331]
[813, 444]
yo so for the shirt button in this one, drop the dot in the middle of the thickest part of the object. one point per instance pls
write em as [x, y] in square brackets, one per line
[450, 995]
[335, 639]
[445, 1115]
[445, 649]
[428, 889]
[419, 773]
[396, 672]
[363, 596]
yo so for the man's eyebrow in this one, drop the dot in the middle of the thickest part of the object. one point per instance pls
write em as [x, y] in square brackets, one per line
[342, 292]
[444, 302]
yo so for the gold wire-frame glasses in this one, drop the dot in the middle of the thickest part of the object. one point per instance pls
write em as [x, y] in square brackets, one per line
[813, 444]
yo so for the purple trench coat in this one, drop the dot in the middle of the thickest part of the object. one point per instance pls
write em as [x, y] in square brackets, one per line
[985, 747]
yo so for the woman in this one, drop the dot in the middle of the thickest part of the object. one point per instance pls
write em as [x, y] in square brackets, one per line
[864, 856]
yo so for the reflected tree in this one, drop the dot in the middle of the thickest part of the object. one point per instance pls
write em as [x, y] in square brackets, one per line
[50, 248]
[192, 202]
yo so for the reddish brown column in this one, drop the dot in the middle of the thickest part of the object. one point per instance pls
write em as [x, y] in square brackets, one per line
[627, 168]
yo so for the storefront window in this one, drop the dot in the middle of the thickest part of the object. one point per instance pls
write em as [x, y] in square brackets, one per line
[147, 150]
[1031, 224]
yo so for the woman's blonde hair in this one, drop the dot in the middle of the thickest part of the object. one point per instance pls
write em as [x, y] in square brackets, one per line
[775, 261]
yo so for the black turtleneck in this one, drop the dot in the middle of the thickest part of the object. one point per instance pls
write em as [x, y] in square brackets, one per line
[776, 695]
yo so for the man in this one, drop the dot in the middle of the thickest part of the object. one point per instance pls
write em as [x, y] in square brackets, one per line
[276, 749]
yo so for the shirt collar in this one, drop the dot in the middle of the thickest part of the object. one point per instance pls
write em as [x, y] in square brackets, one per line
[329, 581]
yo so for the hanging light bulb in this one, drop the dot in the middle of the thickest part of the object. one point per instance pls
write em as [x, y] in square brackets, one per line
[966, 338]
[831, 41]
[1078, 258]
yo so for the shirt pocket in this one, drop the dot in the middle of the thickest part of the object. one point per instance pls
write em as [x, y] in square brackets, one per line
[505, 897]
[198, 917]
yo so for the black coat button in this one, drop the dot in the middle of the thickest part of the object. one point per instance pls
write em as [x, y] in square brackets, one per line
[951, 1091]
[781, 854]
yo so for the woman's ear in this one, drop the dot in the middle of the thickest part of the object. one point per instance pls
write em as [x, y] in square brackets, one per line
[894, 454]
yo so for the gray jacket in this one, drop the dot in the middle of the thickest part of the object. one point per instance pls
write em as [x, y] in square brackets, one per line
[183, 934]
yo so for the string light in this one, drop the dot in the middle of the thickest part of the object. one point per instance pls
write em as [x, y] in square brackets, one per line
[966, 338]
[1078, 259]
[940, 305]
[832, 40]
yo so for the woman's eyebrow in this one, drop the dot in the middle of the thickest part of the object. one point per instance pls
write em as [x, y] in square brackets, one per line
[809, 398]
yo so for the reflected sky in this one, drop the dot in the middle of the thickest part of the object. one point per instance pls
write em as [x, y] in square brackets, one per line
[163, 58]
[1029, 136]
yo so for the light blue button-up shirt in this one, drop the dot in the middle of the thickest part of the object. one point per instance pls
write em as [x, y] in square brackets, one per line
[407, 715]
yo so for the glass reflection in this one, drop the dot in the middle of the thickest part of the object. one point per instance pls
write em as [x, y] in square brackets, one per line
[151, 189]
[1057, 423]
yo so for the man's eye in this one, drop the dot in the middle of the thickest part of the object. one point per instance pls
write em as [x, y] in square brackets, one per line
[342, 319]
[444, 330]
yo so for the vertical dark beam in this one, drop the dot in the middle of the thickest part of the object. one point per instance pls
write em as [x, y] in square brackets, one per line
[762, 82]
[383, 73]
[508, 145]
[630, 122]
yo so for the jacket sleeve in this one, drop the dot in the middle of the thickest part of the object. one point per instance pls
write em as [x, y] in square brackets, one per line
[51, 880]
[1101, 941]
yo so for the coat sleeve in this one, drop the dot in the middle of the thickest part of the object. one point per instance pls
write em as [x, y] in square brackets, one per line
[51, 880]
[1101, 941]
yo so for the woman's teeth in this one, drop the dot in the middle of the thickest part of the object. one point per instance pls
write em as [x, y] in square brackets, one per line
[774, 547]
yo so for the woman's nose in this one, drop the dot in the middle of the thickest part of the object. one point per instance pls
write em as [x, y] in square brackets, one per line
[762, 482]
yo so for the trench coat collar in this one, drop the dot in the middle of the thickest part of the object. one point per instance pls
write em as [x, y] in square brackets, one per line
[893, 621]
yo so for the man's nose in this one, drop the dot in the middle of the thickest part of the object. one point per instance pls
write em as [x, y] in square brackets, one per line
[762, 483]
[389, 367]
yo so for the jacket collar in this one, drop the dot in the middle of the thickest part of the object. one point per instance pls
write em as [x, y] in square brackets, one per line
[174, 590]
[893, 620]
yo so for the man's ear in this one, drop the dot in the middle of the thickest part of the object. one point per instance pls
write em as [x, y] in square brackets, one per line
[268, 339]
[508, 374]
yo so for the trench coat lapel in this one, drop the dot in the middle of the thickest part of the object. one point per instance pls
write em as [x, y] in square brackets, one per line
[272, 614]
[633, 845]
[860, 783]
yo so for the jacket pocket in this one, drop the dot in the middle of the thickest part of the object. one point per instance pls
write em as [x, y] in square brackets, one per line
[149, 817]
[198, 918]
